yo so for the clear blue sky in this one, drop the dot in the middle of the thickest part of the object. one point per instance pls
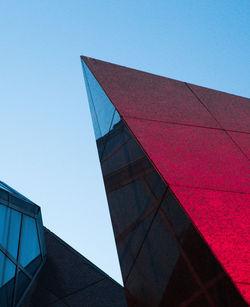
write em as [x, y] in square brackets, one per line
[47, 144]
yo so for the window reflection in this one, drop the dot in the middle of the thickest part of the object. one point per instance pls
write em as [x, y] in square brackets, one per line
[102, 111]
[29, 245]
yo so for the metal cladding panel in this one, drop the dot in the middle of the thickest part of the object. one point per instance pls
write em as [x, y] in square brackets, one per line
[197, 140]
[223, 219]
[232, 112]
[193, 156]
[242, 140]
[245, 291]
[164, 99]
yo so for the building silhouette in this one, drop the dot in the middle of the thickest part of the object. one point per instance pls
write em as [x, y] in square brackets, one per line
[175, 163]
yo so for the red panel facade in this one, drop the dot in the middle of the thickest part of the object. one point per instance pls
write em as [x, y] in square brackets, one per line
[193, 156]
[164, 99]
[232, 112]
[228, 238]
[198, 140]
[242, 140]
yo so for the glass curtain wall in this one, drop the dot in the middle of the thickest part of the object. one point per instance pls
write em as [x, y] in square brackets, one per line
[22, 247]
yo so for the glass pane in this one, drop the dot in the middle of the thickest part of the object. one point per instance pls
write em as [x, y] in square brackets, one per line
[102, 110]
[4, 221]
[7, 269]
[130, 242]
[12, 191]
[33, 266]
[160, 270]
[29, 245]
[10, 221]
[116, 119]
[120, 151]
[22, 284]
[7, 274]
[95, 123]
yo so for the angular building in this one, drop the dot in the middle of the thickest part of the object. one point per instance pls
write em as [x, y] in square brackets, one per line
[38, 269]
[175, 163]
[22, 247]
[69, 279]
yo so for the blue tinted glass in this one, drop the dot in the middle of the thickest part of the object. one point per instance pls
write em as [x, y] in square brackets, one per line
[97, 130]
[7, 270]
[10, 221]
[116, 119]
[102, 110]
[4, 221]
[29, 255]
[7, 274]
[12, 191]
[29, 245]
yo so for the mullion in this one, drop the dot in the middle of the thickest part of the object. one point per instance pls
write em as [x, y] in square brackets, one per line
[7, 254]
[14, 261]
[18, 252]
[39, 240]
[14, 207]
[17, 267]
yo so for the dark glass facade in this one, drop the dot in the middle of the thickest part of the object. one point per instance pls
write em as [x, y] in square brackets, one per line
[163, 257]
[22, 247]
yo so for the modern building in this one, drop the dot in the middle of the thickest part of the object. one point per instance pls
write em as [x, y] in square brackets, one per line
[38, 269]
[175, 163]
[22, 246]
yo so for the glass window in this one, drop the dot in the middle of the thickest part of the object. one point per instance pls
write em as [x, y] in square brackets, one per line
[102, 110]
[10, 221]
[7, 270]
[22, 284]
[21, 253]
[29, 245]
[3, 223]
[7, 277]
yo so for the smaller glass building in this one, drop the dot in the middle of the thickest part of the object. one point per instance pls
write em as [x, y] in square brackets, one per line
[22, 245]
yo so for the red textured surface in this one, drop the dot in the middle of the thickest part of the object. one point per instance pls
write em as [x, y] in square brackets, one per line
[212, 212]
[199, 163]
[242, 140]
[165, 99]
[233, 112]
[245, 291]
[193, 156]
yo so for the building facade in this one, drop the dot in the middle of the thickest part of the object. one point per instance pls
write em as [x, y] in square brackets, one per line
[175, 163]
[22, 246]
[38, 269]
